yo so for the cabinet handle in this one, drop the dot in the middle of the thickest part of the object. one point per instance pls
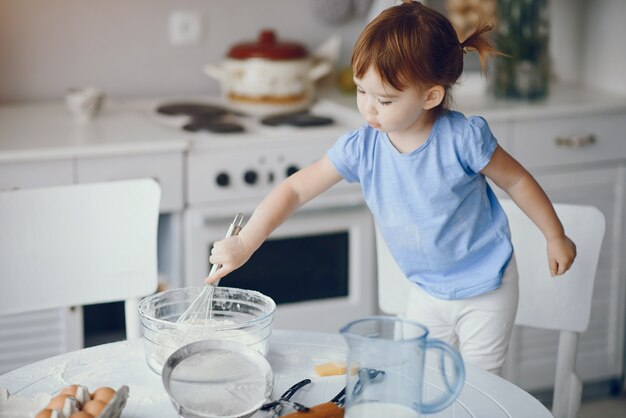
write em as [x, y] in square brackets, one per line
[575, 141]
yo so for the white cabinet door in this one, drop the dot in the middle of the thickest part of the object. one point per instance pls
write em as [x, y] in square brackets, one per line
[31, 174]
[166, 169]
[532, 357]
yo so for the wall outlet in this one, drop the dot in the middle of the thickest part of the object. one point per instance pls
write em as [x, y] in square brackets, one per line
[184, 27]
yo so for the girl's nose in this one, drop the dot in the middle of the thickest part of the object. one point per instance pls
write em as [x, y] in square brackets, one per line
[370, 106]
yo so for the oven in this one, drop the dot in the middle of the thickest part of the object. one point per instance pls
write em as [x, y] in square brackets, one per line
[321, 262]
[318, 264]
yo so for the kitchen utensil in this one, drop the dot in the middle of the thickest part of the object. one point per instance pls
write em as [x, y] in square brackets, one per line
[335, 407]
[268, 76]
[199, 312]
[397, 347]
[214, 378]
[240, 315]
[276, 407]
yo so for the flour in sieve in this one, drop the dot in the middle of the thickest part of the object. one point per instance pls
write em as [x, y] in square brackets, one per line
[170, 340]
[220, 383]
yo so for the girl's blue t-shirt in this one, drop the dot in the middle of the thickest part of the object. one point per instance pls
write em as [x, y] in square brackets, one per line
[436, 211]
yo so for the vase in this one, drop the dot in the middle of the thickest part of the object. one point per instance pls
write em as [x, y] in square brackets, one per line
[522, 35]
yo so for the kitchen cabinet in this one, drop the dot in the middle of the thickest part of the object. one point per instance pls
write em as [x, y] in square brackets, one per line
[166, 169]
[31, 174]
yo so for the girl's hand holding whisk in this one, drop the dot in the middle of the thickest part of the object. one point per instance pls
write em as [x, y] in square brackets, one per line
[231, 253]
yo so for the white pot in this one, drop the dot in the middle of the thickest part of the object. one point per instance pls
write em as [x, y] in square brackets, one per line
[269, 81]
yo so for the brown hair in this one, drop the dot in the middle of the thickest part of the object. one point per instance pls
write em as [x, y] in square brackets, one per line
[411, 45]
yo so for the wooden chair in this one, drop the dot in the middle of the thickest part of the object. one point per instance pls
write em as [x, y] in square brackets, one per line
[555, 303]
[78, 245]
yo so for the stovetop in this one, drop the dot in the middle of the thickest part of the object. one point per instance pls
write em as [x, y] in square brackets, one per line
[208, 122]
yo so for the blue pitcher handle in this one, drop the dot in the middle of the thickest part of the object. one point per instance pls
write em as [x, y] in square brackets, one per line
[454, 389]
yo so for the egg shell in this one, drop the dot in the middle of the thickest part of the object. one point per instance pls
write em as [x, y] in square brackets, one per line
[65, 403]
[81, 414]
[94, 407]
[103, 393]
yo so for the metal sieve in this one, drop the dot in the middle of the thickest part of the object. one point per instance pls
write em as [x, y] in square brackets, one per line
[217, 379]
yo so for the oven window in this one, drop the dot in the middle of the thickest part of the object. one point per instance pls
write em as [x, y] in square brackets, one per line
[297, 269]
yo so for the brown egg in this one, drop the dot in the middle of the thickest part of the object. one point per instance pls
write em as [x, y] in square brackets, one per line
[45, 413]
[104, 394]
[70, 390]
[81, 414]
[58, 402]
[64, 403]
[94, 407]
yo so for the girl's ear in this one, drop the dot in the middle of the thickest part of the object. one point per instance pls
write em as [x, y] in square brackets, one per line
[433, 97]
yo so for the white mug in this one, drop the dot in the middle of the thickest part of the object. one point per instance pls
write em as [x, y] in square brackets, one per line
[84, 102]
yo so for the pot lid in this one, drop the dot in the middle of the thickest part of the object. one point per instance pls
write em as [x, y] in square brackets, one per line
[268, 47]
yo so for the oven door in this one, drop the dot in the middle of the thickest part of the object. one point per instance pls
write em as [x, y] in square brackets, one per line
[319, 266]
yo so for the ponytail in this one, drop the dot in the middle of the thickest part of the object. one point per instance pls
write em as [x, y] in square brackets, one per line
[479, 42]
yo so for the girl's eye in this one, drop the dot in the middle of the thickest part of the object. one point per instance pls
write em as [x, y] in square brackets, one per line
[384, 103]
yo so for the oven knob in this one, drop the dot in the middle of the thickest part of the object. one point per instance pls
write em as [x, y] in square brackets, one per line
[292, 169]
[222, 179]
[250, 176]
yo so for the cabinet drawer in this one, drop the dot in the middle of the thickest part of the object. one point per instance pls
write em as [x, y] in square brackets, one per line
[25, 175]
[563, 141]
[166, 169]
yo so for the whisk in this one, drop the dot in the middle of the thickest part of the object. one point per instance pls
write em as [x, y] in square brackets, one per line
[201, 308]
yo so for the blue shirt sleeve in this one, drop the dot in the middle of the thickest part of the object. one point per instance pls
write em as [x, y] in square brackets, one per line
[478, 144]
[345, 155]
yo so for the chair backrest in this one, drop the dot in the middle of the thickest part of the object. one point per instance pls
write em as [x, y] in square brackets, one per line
[79, 245]
[562, 303]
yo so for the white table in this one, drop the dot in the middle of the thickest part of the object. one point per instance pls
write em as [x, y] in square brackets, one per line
[292, 356]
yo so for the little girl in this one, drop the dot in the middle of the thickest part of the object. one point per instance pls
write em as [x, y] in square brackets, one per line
[423, 170]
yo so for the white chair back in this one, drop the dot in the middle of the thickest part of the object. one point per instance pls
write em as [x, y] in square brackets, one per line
[79, 245]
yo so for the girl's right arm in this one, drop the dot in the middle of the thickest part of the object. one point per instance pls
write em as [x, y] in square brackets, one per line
[281, 202]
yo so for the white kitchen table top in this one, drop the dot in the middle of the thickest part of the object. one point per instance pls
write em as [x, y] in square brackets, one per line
[47, 130]
[293, 356]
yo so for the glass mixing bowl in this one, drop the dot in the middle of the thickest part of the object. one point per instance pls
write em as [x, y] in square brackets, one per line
[239, 315]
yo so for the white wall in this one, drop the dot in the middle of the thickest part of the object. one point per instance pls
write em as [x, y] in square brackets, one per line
[604, 60]
[122, 45]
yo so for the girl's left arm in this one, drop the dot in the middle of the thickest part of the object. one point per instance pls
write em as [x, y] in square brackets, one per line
[521, 186]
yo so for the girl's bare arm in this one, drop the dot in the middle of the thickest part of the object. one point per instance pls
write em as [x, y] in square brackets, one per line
[281, 202]
[520, 185]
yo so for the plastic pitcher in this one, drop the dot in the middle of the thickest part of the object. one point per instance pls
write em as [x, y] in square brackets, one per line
[397, 348]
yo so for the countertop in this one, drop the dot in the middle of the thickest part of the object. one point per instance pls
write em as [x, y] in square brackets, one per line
[45, 130]
[563, 100]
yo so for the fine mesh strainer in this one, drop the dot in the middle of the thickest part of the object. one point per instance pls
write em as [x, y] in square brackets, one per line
[217, 379]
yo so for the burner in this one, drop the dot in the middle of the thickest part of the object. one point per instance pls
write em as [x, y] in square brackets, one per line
[212, 125]
[192, 109]
[204, 117]
[300, 119]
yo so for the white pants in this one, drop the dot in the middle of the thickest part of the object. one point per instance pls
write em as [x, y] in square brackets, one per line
[480, 327]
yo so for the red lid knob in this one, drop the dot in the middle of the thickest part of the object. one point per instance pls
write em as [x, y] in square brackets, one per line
[268, 47]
